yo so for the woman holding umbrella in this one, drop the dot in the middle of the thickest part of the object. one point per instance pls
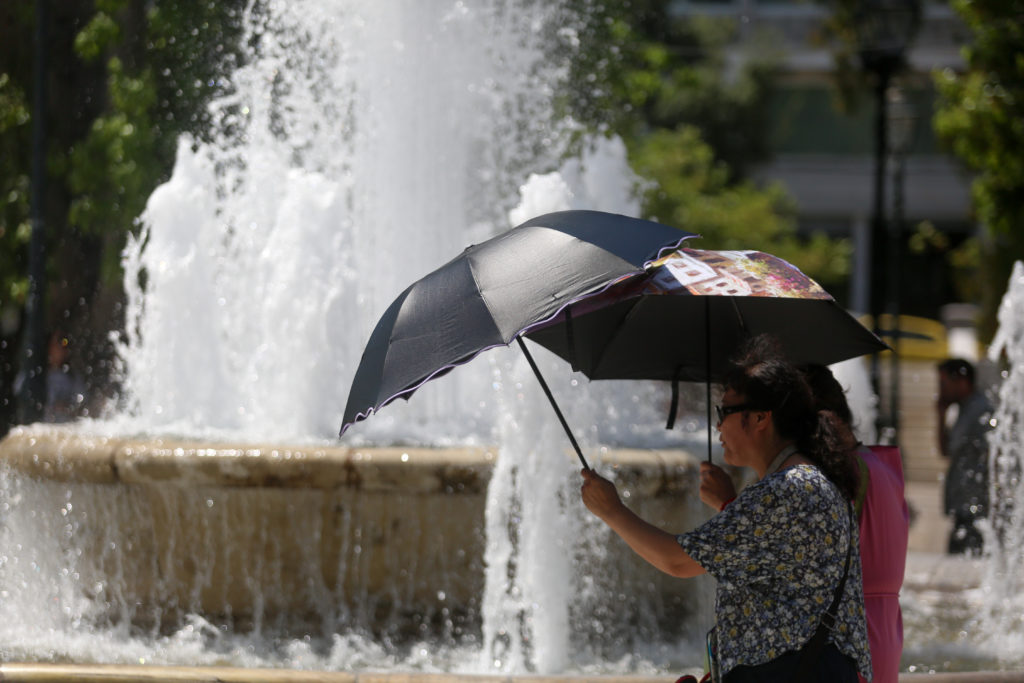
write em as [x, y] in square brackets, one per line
[785, 551]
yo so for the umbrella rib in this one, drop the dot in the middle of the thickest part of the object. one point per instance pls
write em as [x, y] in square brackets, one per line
[739, 316]
[596, 364]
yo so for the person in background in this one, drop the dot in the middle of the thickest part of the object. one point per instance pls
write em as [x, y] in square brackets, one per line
[65, 391]
[965, 444]
[784, 551]
[884, 528]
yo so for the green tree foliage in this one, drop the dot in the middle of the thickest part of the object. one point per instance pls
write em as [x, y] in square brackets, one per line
[643, 68]
[981, 119]
[163, 63]
[15, 145]
[124, 80]
[694, 124]
[14, 195]
[692, 189]
[15, 230]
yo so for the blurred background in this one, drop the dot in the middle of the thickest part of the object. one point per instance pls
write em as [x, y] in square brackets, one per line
[876, 145]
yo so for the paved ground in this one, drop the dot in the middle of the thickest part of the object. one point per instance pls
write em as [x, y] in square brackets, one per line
[929, 528]
[941, 572]
[928, 565]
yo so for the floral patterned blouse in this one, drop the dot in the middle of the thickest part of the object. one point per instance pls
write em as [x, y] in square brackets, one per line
[777, 553]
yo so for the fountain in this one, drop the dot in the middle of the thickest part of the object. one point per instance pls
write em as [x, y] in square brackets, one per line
[215, 520]
[1001, 626]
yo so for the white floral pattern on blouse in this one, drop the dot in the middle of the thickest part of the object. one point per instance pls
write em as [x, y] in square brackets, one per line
[777, 553]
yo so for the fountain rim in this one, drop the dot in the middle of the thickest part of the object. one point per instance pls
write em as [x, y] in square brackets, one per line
[63, 453]
[16, 672]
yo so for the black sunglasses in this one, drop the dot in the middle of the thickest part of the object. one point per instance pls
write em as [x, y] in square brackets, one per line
[726, 411]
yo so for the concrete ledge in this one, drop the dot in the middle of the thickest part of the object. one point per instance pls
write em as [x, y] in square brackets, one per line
[67, 455]
[62, 454]
[101, 673]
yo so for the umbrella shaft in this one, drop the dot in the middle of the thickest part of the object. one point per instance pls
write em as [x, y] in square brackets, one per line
[551, 398]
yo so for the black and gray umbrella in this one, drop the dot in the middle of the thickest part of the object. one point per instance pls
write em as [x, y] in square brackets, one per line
[600, 291]
[493, 291]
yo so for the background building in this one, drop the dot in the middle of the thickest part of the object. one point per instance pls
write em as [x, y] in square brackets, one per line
[824, 156]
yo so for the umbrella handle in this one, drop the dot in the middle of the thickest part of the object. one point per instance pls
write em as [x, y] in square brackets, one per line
[551, 398]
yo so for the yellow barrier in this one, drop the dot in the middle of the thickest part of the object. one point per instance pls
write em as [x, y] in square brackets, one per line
[919, 339]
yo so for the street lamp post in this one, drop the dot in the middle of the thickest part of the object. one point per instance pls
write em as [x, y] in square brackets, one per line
[884, 30]
[902, 122]
[32, 393]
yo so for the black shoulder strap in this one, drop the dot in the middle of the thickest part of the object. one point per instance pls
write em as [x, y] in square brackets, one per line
[812, 650]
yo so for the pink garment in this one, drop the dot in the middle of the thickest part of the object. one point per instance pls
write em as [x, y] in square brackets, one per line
[884, 527]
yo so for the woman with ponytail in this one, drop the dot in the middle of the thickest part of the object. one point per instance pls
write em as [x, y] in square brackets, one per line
[789, 603]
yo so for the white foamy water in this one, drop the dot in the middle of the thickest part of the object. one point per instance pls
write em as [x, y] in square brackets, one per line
[365, 144]
[397, 134]
[1002, 616]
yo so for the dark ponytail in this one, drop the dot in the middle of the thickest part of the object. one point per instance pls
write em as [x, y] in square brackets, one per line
[828, 446]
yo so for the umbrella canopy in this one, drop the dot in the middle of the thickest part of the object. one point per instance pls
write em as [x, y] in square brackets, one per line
[685, 318]
[688, 314]
[494, 290]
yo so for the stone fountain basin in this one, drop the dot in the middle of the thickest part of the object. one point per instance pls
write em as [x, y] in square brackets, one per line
[154, 529]
[53, 673]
